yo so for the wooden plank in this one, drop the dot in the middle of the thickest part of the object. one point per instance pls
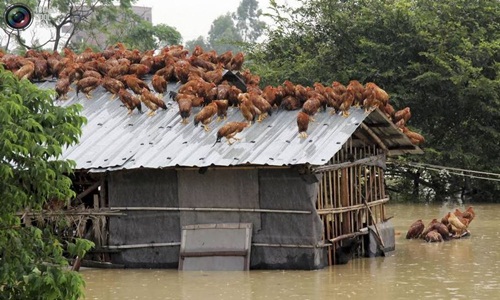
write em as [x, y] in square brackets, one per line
[223, 246]
[87, 191]
[213, 253]
[103, 192]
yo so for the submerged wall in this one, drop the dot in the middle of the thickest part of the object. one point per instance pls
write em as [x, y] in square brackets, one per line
[144, 188]
[275, 189]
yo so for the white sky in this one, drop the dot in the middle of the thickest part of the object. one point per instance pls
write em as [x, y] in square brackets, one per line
[193, 18]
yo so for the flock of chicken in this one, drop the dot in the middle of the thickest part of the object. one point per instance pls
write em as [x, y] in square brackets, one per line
[123, 72]
[452, 225]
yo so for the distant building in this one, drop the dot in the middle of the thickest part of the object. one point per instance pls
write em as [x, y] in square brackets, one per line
[97, 38]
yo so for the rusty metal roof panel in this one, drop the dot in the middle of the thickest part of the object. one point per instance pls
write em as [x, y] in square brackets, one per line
[113, 140]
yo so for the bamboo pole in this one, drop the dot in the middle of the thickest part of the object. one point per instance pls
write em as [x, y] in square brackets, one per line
[47, 213]
[213, 209]
[352, 208]
[350, 172]
[331, 189]
[345, 198]
[137, 246]
[373, 219]
[290, 245]
[349, 235]
[329, 235]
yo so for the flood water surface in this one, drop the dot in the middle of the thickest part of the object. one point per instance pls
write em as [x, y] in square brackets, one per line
[467, 268]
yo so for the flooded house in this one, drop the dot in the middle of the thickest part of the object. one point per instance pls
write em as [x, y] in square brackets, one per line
[152, 178]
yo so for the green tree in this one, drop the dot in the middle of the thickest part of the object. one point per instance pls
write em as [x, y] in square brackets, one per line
[201, 41]
[167, 35]
[66, 18]
[248, 23]
[223, 35]
[33, 132]
[439, 58]
[133, 31]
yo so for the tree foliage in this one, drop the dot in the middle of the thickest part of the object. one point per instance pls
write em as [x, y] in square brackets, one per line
[67, 17]
[122, 24]
[441, 58]
[235, 31]
[143, 35]
[223, 35]
[248, 23]
[199, 41]
[33, 132]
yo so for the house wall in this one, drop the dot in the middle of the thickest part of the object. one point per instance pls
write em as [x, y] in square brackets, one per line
[145, 188]
[276, 189]
[285, 189]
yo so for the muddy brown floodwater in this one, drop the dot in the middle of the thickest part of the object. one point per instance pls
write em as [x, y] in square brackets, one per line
[467, 268]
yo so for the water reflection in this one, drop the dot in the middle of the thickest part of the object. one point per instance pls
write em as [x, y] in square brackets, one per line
[457, 269]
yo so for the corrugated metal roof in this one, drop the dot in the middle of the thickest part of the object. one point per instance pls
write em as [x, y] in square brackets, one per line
[113, 140]
[396, 142]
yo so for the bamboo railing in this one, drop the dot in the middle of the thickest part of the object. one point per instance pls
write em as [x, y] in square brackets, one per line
[351, 193]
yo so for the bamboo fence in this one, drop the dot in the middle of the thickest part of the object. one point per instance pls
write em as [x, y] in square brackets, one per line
[351, 194]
